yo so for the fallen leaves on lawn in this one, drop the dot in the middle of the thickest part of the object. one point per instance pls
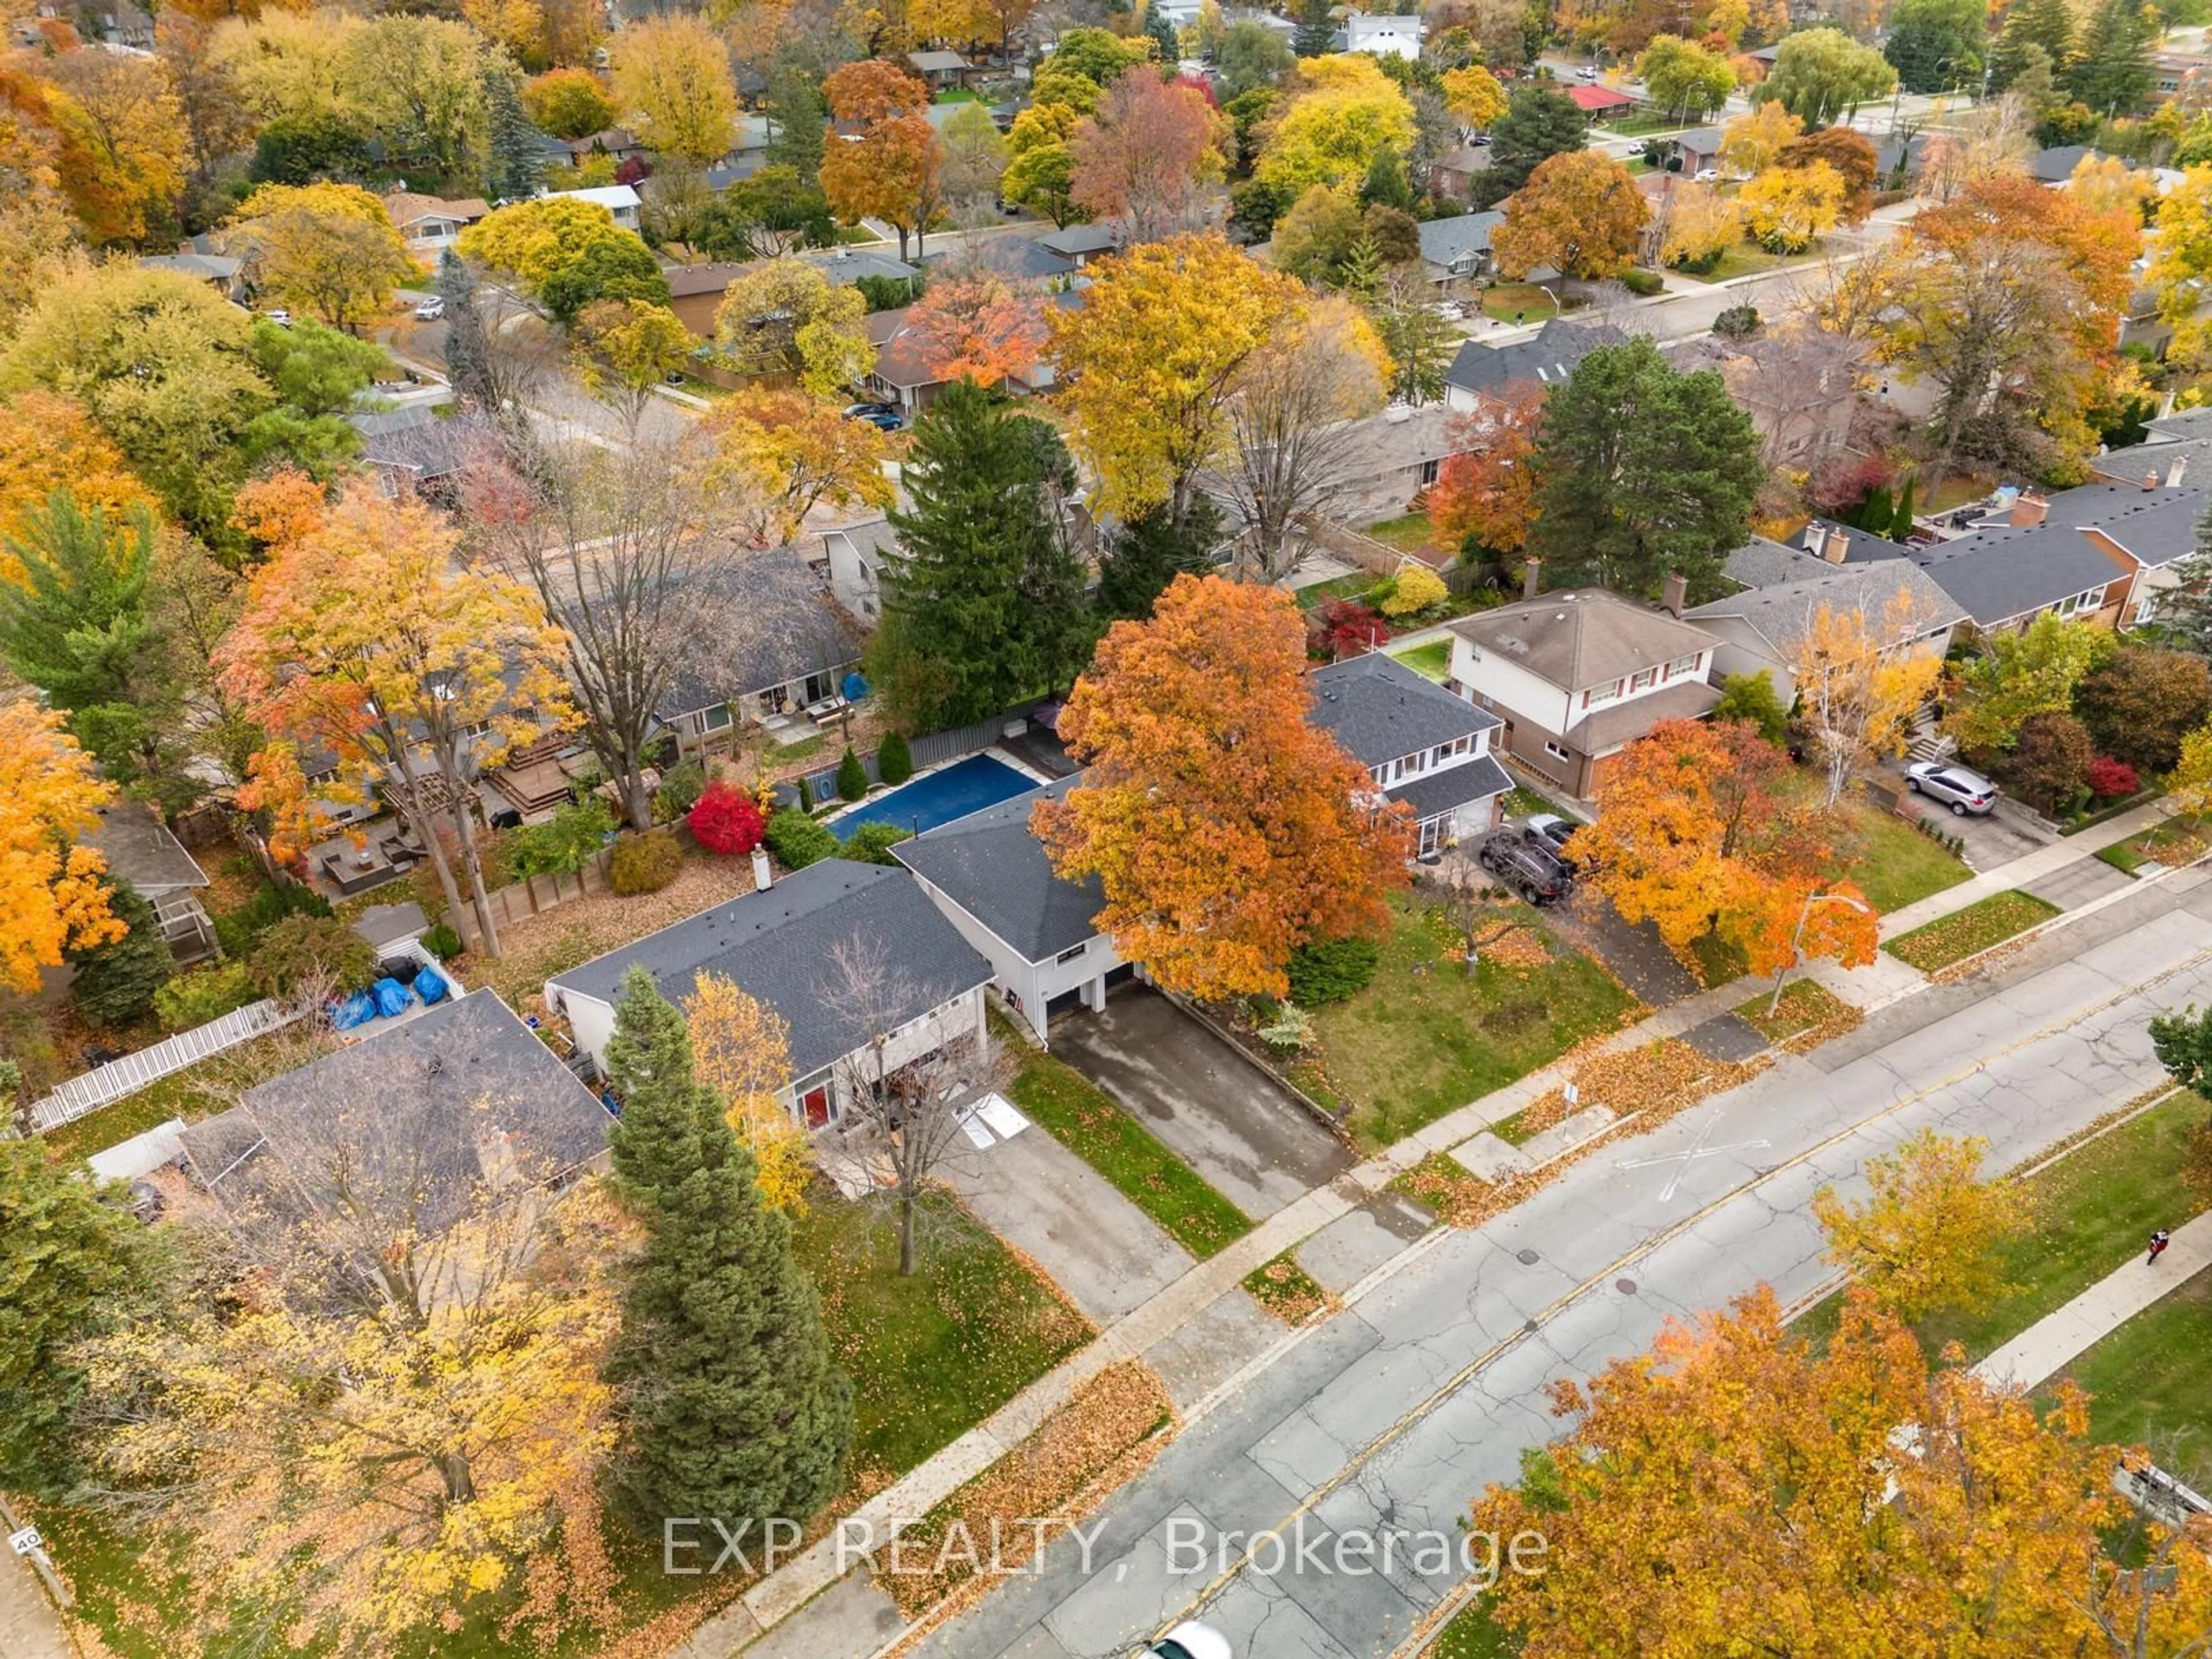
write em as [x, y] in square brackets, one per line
[1108, 1430]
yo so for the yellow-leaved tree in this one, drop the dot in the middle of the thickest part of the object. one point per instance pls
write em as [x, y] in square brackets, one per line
[1343, 111]
[364, 636]
[327, 248]
[362, 1423]
[1922, 1239]
[47, 443]
[788, 451]
[671, 84]
[51, 898]
[1701, 224]
[786, 318]
[1580, 213]
[1786, 209]
[1750, 143]
[1474, 97]
[742, 1051]
[1150, 361]
[1860, 680]
[623, 349]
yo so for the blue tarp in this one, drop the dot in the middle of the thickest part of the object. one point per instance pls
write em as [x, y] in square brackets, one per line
[356, 1010]
[430, 986]
[392, 997]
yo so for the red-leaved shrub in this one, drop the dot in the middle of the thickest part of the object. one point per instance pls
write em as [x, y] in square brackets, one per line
[2109, 779]
[726, 820]
[1345, 627]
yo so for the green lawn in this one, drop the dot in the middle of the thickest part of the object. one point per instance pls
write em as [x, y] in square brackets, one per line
[1897, 864]
[1427, 1036]
[1431, 660]
[1954, 938]
[1805, 1003]
[2177, 837]
[1472, 1636]
[1521, 801]
[1128, 1154]
[2089, 1214]
[1519, 303]
[197, 1092]
[1348, 587]
[1747, 258]
[1408, 534]
[2146, 1380]
[933, 1355]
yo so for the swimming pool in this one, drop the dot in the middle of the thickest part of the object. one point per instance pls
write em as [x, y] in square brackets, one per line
[965, 787]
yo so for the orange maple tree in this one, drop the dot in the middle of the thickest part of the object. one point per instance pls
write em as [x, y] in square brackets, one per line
[1486, 489]
[1226, 828]
[888, 169]
[51, 898]
[1693, 835]
[1145, 153]
[47, 443]
[977, 328]
[1741, 1490]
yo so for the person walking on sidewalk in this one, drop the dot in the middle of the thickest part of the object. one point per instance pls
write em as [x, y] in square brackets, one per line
[2159, 1240]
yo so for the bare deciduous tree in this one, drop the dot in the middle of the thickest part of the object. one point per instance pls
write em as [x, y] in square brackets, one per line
[908, 1084]
[1295, 451]
[608, 539]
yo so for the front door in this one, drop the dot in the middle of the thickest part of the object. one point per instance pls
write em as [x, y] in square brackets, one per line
[1432, 835]
[815, 1102]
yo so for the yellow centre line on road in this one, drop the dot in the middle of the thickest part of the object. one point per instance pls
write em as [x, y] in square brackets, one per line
[1460, 1378]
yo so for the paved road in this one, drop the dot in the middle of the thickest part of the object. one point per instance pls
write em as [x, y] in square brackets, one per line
[1394, 1414]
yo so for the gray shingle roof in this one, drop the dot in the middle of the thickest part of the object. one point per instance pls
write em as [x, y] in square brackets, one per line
[1763, 564]
[1631, 718]
[1080, 239]
[1549, 355]
[780, 945]
[457, 1099]
[2157, 525]
[1582, 637]
[780, 627]
[1445, 242]
[1781, 611]
[139, 848]
[1378, 709]
[991, 866]
[1433, 793]
[1018, 257]
[1997, 575]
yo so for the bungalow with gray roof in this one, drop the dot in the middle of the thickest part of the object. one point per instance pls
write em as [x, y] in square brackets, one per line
[1547, 358]
[2102, 552]
[848, 955]
[1081, 243]
[1760, 629]
[992, 878]
[140, 850]
[1424, 747]
[436, 1117]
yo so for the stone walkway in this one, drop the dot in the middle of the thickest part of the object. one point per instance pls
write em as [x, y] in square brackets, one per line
[799, 1584]
[2048, 1346]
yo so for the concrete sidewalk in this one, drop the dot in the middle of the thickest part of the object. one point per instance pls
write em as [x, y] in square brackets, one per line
[30, 1626]
[2048, 1346]
[2039, 865]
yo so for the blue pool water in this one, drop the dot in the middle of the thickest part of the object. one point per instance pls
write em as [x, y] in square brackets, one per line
[965, 787]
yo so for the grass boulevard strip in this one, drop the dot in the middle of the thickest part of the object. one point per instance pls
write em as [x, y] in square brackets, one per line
[1366, 1453]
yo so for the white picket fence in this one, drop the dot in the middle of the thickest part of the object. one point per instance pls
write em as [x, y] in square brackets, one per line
[126, 1076]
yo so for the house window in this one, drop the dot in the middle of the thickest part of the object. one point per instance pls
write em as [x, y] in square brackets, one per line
[1643, 680]
[1556, 751]
[2091, 600]
[2146, 608]
[715, 719]
[1598, 694]
[1073, 953]
[1682, 666]
[820, 685]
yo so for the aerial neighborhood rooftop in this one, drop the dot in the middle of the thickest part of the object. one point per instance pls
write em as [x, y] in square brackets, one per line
[829, 829]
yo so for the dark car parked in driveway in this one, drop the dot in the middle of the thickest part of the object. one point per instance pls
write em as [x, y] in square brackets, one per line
[1550, 831]
[1522, 864]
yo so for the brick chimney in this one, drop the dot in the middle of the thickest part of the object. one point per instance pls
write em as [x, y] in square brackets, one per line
[2150, 480]
[1532, 576]
[2029, 511]
[1675, 593]
[1835, 545]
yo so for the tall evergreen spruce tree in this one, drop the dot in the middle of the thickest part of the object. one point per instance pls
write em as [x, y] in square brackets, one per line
[2114, 73]
[1149, 551]
[796, 112]
[468, 354]
[514, 166]
[1645, 471]
[76, 626]
[733, 1406]
[983, 600]
[1316, 31]
[115, 982]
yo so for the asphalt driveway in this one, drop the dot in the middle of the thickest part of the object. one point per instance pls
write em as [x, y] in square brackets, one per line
[1105, 1253]
[1252, 1142]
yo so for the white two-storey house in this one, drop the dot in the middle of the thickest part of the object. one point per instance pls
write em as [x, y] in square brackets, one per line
[1421, 745]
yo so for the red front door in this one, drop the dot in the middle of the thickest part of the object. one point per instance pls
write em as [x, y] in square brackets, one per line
[815, 1105]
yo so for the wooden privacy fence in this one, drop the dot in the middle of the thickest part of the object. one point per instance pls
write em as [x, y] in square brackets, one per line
[88, 1093]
